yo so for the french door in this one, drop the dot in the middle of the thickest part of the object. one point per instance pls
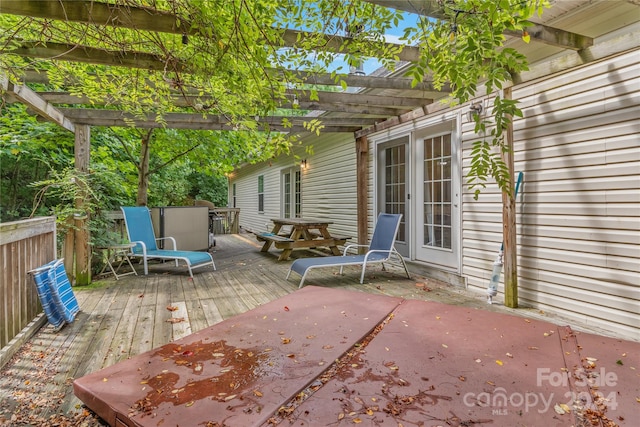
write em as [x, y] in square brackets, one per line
[437, 198]
[291, 202]
[393, 196]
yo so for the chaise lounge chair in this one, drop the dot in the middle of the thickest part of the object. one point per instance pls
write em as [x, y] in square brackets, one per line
[380, 250]
[140, 231]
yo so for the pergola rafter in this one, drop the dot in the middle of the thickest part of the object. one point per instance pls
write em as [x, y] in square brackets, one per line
[152, 20]
[538, 32]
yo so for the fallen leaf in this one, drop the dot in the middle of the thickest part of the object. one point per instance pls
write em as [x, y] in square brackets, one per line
[176, 320]
[559, 409]
[445, 346]
[499, 362]
[510, 355]
[189, 403]
[357, 420]
[286, 308]
[172, 308]
[257, 393]
[285, 340]
[340, 416]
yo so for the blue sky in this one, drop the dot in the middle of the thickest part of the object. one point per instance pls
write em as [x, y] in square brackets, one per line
[392, 36]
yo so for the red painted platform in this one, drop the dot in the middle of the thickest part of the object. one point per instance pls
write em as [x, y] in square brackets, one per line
[333, 357]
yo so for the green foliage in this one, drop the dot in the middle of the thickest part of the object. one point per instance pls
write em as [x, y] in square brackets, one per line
[29, 149]
[208, 187]
[468, 52]
[223, 67]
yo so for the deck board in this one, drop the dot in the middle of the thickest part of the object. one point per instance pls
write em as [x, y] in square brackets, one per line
[120, 319]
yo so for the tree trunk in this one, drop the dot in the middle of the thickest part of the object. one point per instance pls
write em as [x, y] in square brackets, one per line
[143, 170]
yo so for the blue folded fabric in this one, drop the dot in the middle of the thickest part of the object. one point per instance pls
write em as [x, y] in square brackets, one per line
[63, 296]
[41, 279]
[56, 296]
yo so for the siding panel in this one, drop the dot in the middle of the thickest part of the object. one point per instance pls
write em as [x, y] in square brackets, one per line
[579, 208]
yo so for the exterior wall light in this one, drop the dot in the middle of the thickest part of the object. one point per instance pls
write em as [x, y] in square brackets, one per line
[475, 109]
[303, 164]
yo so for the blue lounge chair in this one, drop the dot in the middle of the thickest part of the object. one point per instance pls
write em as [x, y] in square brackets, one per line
[140, 231]
[380, 250]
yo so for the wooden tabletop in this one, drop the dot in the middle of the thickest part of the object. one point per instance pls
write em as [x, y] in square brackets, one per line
[300, 222]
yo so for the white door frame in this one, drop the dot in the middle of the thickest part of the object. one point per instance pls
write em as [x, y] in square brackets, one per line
[448, 259]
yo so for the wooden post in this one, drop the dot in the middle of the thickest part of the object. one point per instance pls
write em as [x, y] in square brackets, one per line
[69, 248]
[510, 259]
[83, 248]
[362, 182]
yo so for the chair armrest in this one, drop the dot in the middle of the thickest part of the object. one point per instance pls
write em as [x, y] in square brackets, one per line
[173, 241]
[380, 251]
[142, 245]
[353, 245]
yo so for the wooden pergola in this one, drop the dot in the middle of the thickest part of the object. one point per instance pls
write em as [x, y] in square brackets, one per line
[382, 101]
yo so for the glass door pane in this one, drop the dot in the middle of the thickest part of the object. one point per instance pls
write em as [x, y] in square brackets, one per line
[394, 185]
[437, 204]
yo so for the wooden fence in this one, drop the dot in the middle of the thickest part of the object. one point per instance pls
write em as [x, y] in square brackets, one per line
[24, 245]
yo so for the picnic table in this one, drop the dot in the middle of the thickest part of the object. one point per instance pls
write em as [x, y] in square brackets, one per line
[302, 233]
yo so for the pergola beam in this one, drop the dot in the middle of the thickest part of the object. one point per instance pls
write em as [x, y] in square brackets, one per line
[354, 80]
[92, 55]
[95, 117]
[390, 103]
[27, 96]
[146, 19]
[317, 78]
[182, 101]
[538, 32]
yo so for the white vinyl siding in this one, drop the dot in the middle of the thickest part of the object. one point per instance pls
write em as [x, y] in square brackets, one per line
[328, 186]
[329, 183]
[578, 213]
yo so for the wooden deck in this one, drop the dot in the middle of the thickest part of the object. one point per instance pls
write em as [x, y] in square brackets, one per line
[123, 318]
